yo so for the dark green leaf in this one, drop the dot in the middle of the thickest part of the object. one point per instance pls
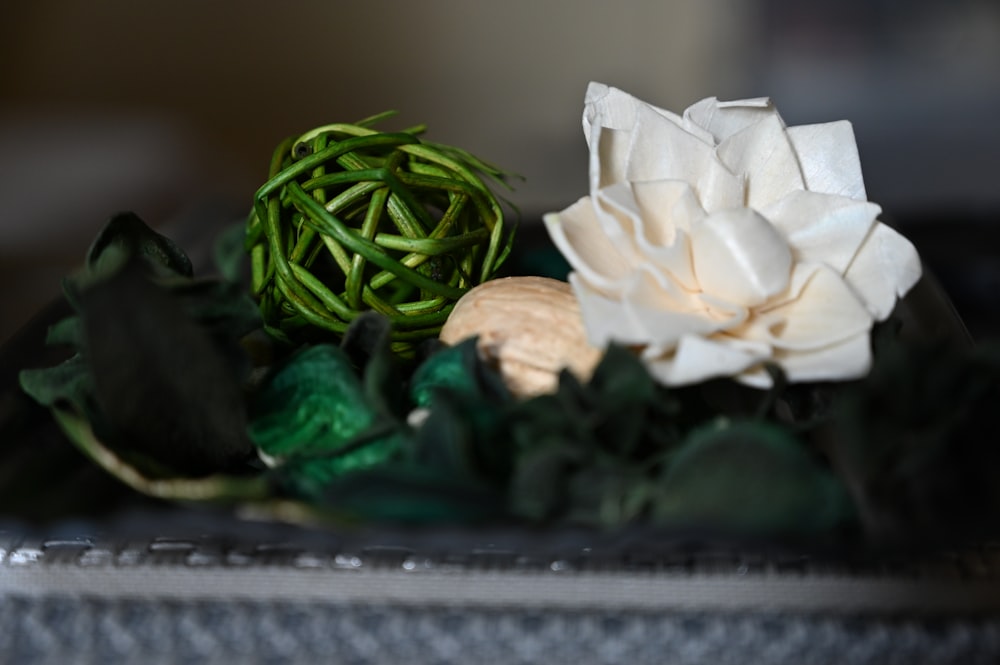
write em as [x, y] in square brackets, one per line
[70, 381]
[130, 235]
[383, 383]
[412, 494]
[749, 478]
[215, 487]
[160, 380]
[623, 393]
[915, 442]
[68, 331]
[466, 431]
[223, 309]
[310, 475]
[312, 405]
[465, 437]
[230, 255]
[609, 493]
[448, 369]
[540, 481]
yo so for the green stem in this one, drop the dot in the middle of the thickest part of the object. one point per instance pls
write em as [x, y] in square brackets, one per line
[211, 488]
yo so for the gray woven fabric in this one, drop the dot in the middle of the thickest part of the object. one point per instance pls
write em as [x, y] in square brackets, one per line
[82, 630]
[80, 599]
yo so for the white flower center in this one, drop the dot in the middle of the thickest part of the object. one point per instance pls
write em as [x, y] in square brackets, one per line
[740, 258]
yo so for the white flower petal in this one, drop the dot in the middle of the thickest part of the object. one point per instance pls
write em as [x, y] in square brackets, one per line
[828, 155]
[663, 327]
[763, 152]
[661, 150]
[643, 313]
[609, 159]
[823, 228]
[658, 215]
[618, 211]
[727, 314]
[578, 235]
[665, 207]
[723, 119]
[698, 358]
[615, 109]
[609, 125]
[740, 258]
[665, 313]
[826, 312]
[884, 269]
[605, 319]
[845, 360]
[599, 102]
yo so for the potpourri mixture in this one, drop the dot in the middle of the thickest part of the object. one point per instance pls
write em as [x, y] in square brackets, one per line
[728, 353]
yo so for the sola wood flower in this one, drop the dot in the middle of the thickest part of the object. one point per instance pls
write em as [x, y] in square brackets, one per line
[721, 239]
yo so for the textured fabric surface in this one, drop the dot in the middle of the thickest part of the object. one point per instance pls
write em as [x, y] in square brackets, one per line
[81, 630]
[77, 599]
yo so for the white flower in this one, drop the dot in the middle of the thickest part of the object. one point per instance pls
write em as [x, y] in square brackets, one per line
[719, 240]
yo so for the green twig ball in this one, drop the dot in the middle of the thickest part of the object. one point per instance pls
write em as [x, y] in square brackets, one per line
[353, 220]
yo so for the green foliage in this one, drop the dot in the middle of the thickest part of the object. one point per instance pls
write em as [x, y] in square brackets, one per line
[749, 478]
[312, 405]
[623, 450]
[313, 418]
[162, 394]
[915, 443]
[158, 369]
[338, 420]
[451, 369]
[69, 382]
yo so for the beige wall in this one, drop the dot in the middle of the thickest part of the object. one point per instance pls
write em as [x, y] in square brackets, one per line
[505, 79]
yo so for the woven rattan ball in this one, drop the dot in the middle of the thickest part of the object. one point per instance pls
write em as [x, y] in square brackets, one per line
[353, 219]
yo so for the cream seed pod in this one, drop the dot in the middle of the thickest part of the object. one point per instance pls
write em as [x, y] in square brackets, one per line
[529, 327]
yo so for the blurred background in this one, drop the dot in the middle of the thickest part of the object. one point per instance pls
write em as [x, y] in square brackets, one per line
[172, 108]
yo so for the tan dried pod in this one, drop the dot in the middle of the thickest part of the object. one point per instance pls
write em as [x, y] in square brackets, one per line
[529, 327]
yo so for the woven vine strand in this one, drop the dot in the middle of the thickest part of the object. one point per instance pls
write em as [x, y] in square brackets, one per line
[352, 219]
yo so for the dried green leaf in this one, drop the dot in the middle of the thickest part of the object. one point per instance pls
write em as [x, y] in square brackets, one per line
[230, 256]
[160, 381]
[215, 487]
[310, 475]
[465, 437]
[448, 369]
[381, 377]
[68, 331]
[539, 485]
[412, 494]
[131, 236]
[312, 405]
[914, 442]
[68, 382]
[609, 493]
[749, 478]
